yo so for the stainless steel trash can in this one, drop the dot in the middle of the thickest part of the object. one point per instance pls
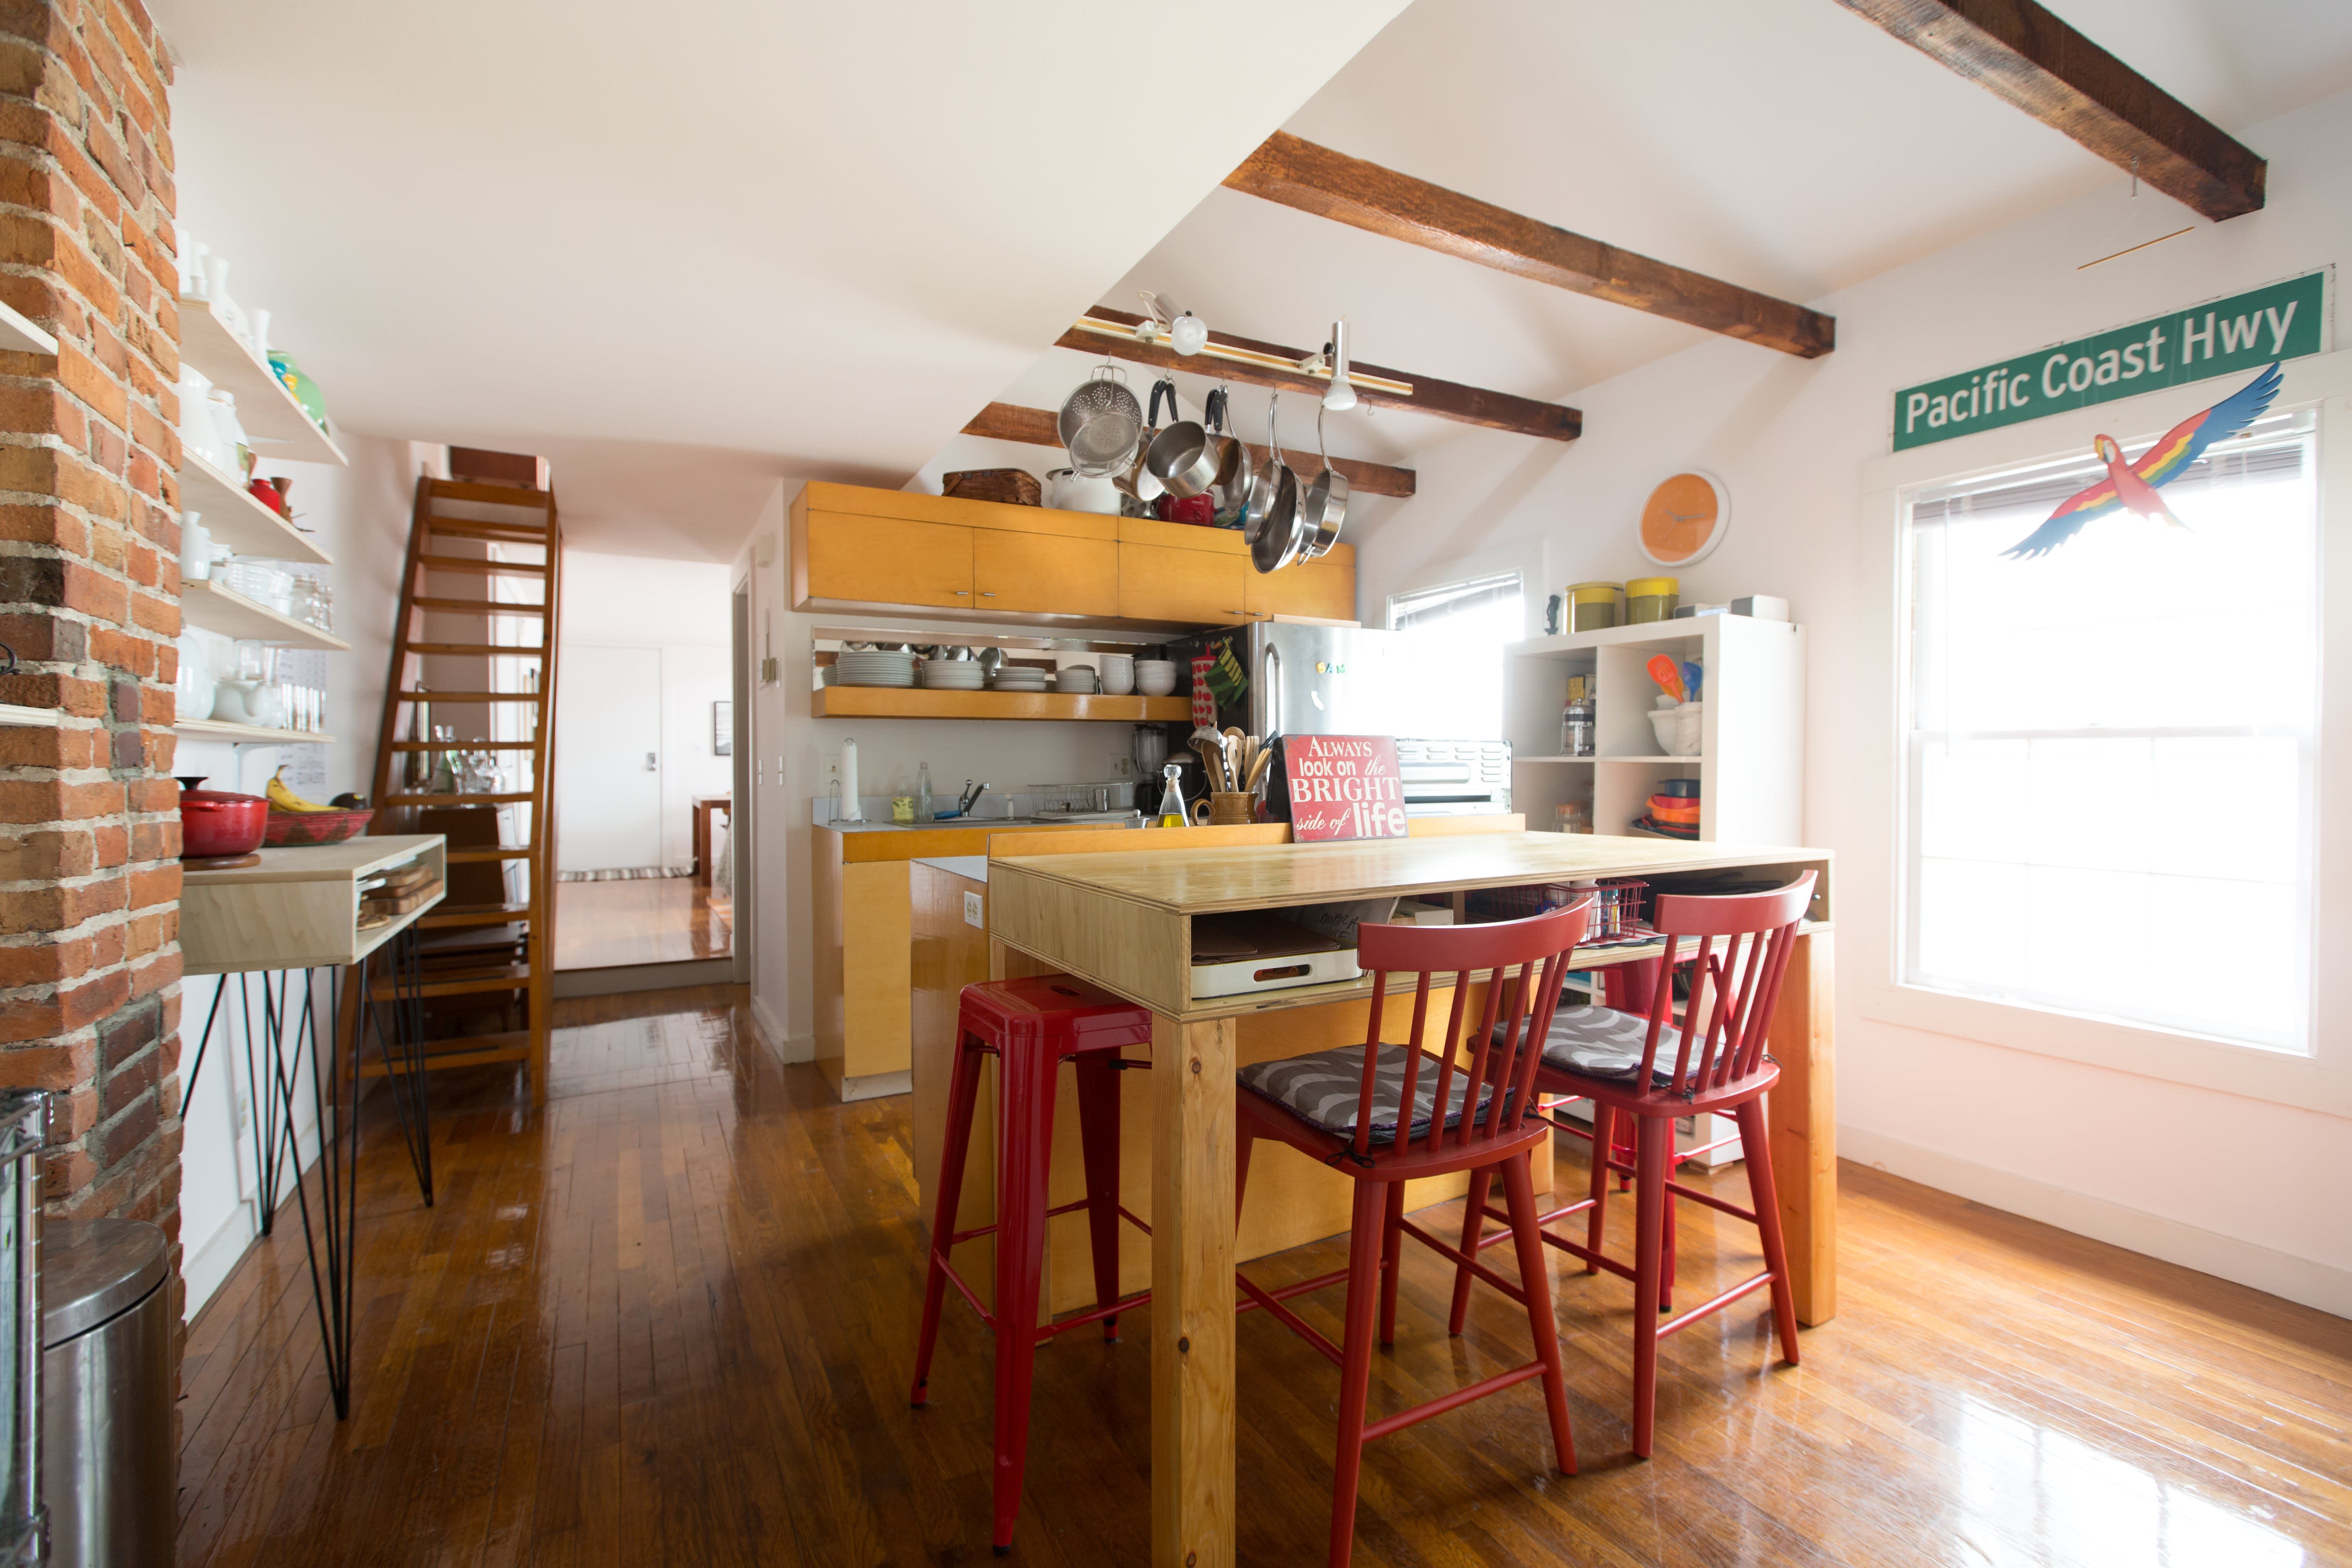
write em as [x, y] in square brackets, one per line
[106, 1462]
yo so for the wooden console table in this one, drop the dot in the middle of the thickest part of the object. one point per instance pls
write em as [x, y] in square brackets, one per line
[703, 805]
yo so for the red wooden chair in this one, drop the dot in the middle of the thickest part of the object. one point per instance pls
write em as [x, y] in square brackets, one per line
[1375, 1115]
[1031, 1026]
[1614, 1060]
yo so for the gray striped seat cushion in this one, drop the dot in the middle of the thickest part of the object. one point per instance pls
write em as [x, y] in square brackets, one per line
[1324, 1089]
[1601, 1042]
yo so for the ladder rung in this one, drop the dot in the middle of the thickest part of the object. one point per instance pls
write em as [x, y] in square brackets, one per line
[522, 532]
[477, 915]
[431, 696]
[476, 649]
[476, 607]
[517, 852]
[509, 979]
[493, 568]
[465, 745]
[468, 1051]
[398, 798]
[496, 495]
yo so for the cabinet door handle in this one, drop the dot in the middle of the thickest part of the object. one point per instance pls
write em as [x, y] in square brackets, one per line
[961, 593]
[987, 596]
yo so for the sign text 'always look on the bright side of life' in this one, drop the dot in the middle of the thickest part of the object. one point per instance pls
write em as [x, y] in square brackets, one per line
[2242, 332]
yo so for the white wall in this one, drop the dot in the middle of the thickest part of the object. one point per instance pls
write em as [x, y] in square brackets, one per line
[360, 514]
[677, 611]
[2250, 1184]
[789, 743]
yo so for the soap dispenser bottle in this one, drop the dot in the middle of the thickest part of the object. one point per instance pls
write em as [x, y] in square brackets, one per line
[923, 809]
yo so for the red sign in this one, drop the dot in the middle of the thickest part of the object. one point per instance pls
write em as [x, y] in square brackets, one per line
[1343, 786]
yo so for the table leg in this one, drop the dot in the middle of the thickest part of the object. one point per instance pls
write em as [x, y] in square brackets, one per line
[1193, 1294]
[1804, 1112]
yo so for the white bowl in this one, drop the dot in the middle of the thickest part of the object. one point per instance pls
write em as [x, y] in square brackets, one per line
[1662, 720]
[1156, 684]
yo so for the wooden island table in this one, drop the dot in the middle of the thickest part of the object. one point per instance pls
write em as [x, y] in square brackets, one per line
[1123, 920]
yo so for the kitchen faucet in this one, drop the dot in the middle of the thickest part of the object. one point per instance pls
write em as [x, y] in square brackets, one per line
[972, 794]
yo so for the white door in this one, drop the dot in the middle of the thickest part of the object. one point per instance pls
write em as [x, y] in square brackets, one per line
[608, 741]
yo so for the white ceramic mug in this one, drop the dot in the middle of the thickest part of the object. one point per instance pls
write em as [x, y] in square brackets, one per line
[1118, 674]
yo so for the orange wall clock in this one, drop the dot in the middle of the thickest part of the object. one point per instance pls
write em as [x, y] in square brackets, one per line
[1683, 518]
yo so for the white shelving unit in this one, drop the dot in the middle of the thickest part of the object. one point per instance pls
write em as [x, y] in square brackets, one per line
[16, 713]
[277, 426]
[248, 734]
[1750, 765]
[232, 517]
[206, 604]
[19, 335]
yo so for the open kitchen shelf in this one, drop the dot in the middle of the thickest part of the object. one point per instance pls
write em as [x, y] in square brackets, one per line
[277, 426]
[40, 718]
[918, 702]
[232, 517]
[1752, 748]
[248, 734]
[18, 334]
[207, 604]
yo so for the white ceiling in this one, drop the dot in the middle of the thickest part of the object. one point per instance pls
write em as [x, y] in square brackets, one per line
[685, 259]
[812, 239]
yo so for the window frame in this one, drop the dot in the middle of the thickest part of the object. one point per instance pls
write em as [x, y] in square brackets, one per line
[1912, 743]
[1872, 848]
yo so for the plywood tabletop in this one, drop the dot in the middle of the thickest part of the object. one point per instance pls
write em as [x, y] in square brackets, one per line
[344, 862]
[1270, 876]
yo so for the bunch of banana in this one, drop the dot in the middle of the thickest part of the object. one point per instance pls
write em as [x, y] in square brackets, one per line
[284, 799]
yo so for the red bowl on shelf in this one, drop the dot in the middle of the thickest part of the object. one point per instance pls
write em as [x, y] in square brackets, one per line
[217, 823]
[287, 829]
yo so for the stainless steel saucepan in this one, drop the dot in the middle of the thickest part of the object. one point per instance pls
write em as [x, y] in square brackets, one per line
[1326, 506]
[1271, 524]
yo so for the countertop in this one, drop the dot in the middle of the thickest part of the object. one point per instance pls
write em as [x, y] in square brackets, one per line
[973, 867]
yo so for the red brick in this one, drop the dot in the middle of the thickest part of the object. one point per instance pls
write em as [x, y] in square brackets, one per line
[126, 1084]
[44, 637]
[156, 614]
[51, 525]
[46, 962]
[53, 1067]
[154, 974]
[123, 1135]
[51, 800]
[113, 844]
[93, 999]
[87, 380]
[109, 546]
[49, 748]
[35, 856]
[161, 886]
[64, 1172]
[106, 947]
[142, 565]
[31, 468]
[92, 489]
[143, 934]
[125, 651]
[155, 794]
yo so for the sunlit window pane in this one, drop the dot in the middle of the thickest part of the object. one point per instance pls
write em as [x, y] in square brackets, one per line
[2109, 785]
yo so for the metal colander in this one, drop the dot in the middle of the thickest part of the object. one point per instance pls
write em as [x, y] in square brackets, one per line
[1100, 423]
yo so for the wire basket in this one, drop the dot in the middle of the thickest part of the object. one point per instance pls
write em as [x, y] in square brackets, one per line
[1619, 909]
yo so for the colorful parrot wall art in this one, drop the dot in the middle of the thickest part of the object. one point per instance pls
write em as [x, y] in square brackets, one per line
[2133, 486]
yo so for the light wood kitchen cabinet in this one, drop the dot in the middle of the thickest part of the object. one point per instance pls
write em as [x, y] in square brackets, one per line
[1191, 587]
[1322, 589]
[1045, 574]
[887, 561]
[862, 549]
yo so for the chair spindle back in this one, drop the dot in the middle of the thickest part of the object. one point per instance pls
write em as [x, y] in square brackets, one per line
[1757, 930]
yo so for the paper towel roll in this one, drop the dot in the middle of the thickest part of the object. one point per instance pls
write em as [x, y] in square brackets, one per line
[849, 812]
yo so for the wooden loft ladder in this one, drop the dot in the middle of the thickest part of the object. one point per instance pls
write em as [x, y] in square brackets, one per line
[499, 950]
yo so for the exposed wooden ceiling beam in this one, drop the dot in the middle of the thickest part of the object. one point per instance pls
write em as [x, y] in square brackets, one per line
[1442, 399]
[1299, 173]
[2021, 53]
[1038, 428]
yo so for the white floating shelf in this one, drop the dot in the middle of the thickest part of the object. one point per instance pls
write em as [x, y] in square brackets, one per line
[248, 734]
[40, 717]
[18, 334]
[207, 604]
[277, 426]
[235, 519]
[1660, 758]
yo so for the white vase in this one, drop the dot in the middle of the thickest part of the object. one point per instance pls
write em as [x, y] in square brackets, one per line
[195, 547]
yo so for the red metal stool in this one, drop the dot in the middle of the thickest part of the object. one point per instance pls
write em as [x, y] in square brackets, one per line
[1031, 1025]
[1406, 1111]
[1718, 1066]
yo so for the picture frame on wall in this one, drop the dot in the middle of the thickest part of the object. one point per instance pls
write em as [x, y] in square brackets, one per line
[722, 729]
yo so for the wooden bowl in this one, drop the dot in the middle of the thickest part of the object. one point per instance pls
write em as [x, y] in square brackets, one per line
[287, 829]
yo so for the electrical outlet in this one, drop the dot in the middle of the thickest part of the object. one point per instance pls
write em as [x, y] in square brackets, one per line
[973, 913]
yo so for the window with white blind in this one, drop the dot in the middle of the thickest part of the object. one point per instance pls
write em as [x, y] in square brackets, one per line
[1454, 635]
[2110, 752]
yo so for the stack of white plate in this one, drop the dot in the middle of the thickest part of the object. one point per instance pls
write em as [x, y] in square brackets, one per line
[1076, 677]
[1020, 677]
[952, 674]
[873, 668]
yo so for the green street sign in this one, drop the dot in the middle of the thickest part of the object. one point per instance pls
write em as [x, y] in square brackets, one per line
[2244, 332]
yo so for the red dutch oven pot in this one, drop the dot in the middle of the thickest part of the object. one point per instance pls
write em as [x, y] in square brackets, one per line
[215, 821]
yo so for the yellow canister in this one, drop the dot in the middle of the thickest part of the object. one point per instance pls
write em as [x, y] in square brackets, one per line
[1593, 604]
[1652, 599]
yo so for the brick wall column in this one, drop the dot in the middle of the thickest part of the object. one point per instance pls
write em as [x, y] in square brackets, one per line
[90, 836]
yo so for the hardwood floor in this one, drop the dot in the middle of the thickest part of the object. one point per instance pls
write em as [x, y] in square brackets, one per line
[669, 1318]
[658, 919]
